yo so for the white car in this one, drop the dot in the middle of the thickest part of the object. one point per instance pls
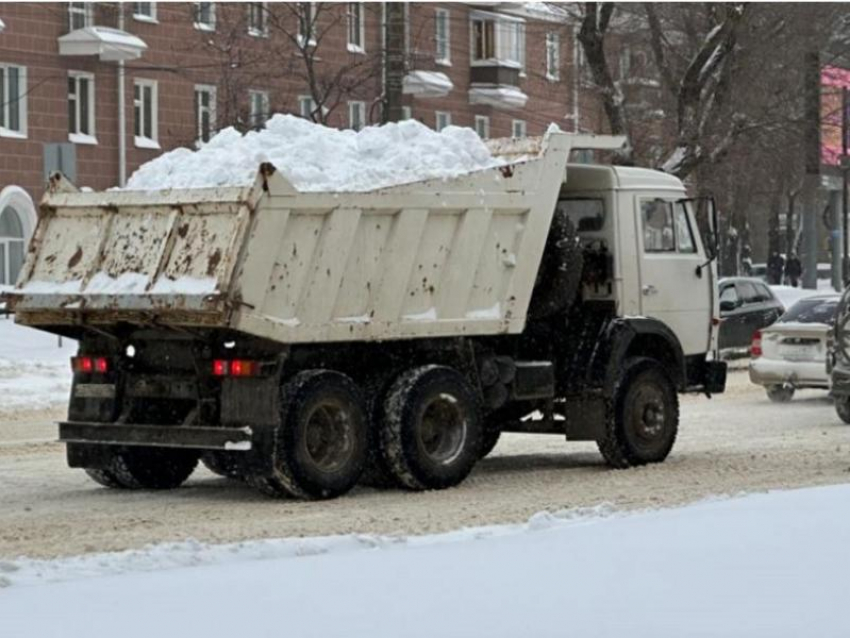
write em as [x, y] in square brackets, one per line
[791, 353]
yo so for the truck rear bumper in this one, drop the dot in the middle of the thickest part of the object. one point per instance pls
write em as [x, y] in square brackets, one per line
[187, 437]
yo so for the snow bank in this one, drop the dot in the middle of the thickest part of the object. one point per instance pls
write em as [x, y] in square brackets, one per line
[318, 158]
[745, 566]
[35, 371]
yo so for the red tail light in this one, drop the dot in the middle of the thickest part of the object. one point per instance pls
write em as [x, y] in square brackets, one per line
[235, 368]
[88, 365]
[220, 368]
[755, 346]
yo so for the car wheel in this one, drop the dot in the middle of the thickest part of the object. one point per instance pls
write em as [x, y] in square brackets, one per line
[780, 393]
[842, 408]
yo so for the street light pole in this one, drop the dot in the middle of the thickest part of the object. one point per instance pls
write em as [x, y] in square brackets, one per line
[845, 168]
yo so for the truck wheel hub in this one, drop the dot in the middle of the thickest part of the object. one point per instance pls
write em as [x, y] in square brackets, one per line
[327, 437]
[442, 433]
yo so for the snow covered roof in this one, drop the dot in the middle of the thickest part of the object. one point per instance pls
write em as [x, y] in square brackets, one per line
[500, 97]
[427, 84]
[110, 45]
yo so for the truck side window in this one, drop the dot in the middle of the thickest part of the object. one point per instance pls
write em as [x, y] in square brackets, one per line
[585, 214]
[658, 236]
[684, 234]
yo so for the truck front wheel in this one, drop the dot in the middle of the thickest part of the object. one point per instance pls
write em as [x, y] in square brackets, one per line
[320, 449]
[431, 428]
[644, 416]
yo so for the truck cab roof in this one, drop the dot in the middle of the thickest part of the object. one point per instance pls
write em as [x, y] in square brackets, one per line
[602, 177]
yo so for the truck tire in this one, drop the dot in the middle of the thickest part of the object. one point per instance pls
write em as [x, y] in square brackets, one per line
[222, 464]
[431, 428]
[643, 419]
[489, 441]
[559, 277]
[842, 408]
[780, 393]
[145, 468]
[377, 473]
[320, 446]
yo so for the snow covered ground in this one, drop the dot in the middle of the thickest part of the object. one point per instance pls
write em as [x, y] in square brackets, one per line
[769, 565]
[35, 372]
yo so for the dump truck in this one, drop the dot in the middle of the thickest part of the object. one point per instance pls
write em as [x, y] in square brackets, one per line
[307, 341]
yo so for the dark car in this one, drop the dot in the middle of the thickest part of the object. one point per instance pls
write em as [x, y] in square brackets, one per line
[746, 305]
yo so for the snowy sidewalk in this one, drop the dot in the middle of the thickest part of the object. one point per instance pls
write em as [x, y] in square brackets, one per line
[770, 565]
[35, 373]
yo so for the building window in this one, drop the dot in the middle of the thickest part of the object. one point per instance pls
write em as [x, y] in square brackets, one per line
[11, 246]
[205, 16]
[81, 108]
[146, 113]
[518, 128]
[482, 126]
[356, 28]
[553, 56]
[79, 15]
[306, 106]
[443, 120]
[442, 37]
[13, 101]
[498, 39]
[259, 111]
[257, 23]
[406, 113]
[307, 24]
[205, 97]
[144, 11]
[356, 115]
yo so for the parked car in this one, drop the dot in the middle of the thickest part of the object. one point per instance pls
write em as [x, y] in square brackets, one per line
[792, 353]
[746, 305]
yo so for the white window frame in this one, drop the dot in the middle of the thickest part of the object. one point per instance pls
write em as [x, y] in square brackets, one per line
[306, 106]
[359, 108]
[406, 113]
[519, 129]
[358, 28]
[446, 118]
[508, 40]
[306, 16]
[443, 41]
[145, 17]
[77, 136]
[6, 242]
[482, 126]
[143, 141]
[553, 56]
[7, 101]
[83, 9]
[253, 30]
[204, 26]
[210, 109]
[263, 113]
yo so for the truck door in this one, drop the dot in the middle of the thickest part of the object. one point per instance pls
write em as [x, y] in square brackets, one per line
[673, 289]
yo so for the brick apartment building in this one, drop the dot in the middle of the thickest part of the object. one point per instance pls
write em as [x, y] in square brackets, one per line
[505, 69]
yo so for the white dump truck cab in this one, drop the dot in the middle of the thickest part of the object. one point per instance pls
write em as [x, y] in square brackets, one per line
[308, 341]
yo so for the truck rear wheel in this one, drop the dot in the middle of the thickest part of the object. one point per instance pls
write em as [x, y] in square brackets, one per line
[146, 469]
[320, 449]
[431, 428]
[644, 421]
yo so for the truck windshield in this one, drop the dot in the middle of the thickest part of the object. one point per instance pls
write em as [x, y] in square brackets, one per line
[811, 311]
[586, 214]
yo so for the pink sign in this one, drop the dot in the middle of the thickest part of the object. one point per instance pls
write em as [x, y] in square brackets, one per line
[834, 81]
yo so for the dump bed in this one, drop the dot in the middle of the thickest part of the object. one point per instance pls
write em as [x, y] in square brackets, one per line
[431, 258]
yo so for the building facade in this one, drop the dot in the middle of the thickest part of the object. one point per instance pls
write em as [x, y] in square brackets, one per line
[97, 89]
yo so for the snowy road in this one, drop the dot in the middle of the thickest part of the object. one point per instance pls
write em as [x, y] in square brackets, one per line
[735, 442]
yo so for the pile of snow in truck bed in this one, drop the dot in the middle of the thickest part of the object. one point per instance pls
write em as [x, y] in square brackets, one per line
[317, 158]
